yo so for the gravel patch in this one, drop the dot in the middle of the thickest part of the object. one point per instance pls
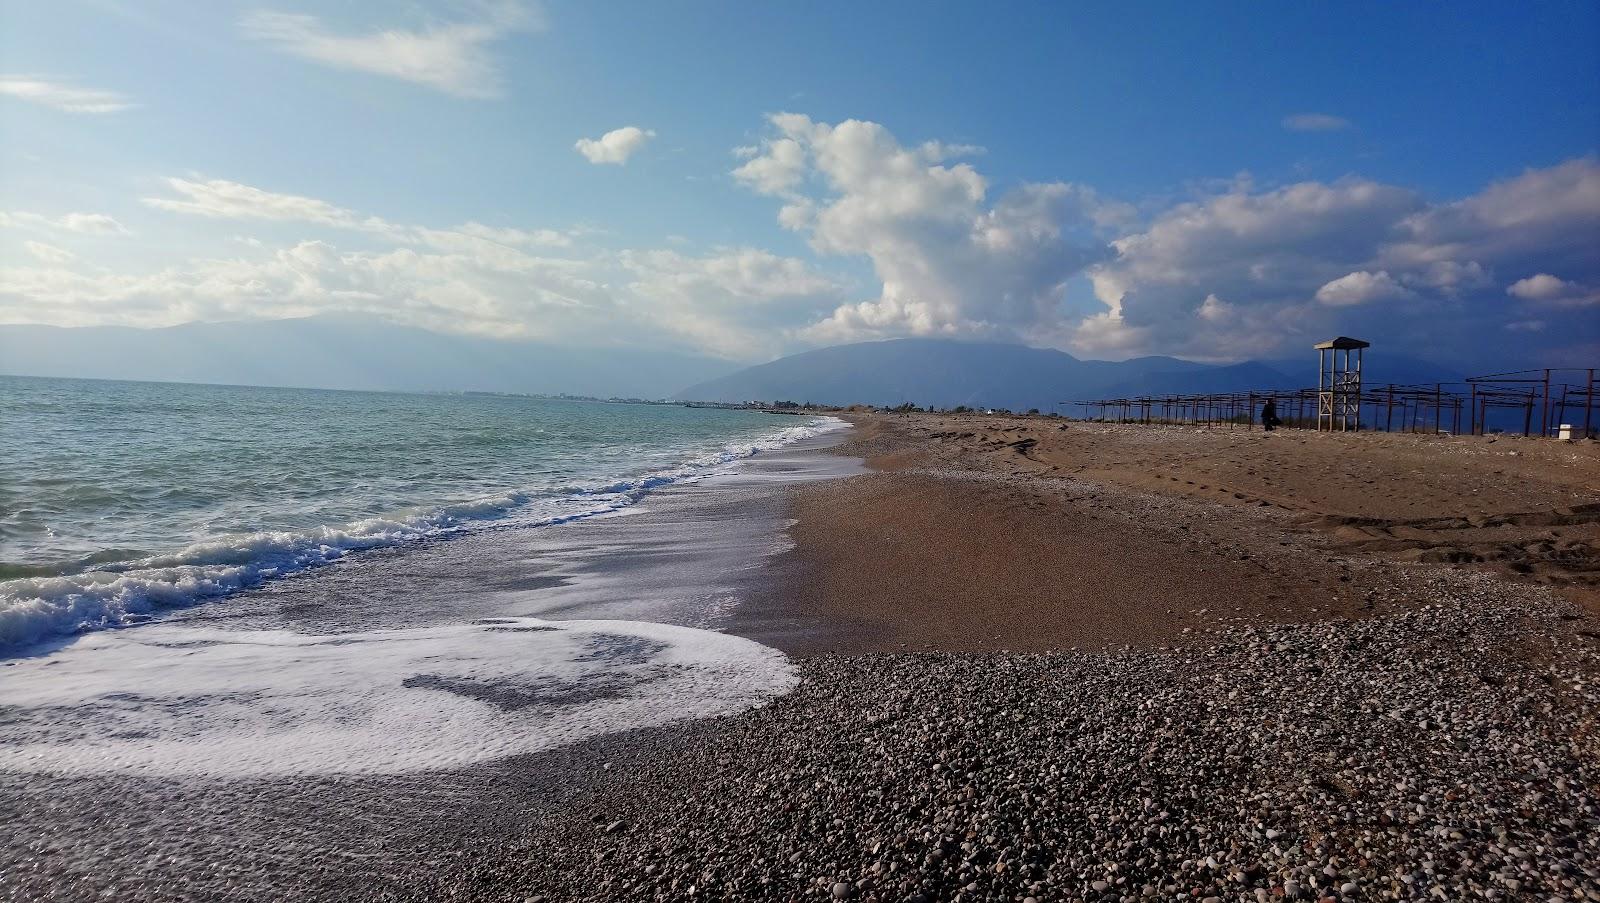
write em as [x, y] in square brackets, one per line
[1447, 752]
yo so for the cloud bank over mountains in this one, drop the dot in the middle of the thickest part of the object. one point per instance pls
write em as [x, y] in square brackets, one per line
[1225, 276]
[1235, 272]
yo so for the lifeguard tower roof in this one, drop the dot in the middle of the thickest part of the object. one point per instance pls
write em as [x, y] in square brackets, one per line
[1344, 343]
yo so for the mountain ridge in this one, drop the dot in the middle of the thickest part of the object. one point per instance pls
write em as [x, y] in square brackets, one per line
[343, 352]
[946, 373]
[353, 352]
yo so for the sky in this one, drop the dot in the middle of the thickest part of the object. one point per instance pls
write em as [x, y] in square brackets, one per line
[1214, 181]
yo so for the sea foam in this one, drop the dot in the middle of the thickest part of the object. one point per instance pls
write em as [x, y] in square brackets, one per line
[33, 609]
[166, 700]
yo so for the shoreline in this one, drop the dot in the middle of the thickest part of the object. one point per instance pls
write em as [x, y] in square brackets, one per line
[1440, 734]
[44, 609]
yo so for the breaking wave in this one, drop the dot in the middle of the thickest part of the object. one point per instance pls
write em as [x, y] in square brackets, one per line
[34, 609]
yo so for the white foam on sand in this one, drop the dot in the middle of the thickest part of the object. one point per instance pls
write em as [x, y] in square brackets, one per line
[164, 700]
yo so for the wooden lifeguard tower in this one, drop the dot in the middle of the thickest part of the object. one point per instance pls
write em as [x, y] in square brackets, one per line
[1339, 384]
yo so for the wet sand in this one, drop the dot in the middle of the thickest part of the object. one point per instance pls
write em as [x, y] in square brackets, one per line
[980, 533]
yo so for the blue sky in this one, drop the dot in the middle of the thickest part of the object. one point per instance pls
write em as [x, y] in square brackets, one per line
[1216, 181]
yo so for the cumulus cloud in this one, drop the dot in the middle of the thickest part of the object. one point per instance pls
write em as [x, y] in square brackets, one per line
[1540, 287]
[615, 146]
[776, 170]
[1544, 220]
[1315, 122]
[737, 302]
[476, 278]
[1547, 290]
[1237, 271]
[62, 96]
[1361, 287]
[1355, 255]
[452, 57]
[951, 259]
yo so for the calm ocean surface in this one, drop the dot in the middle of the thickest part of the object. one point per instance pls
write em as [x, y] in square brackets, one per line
[120, 499]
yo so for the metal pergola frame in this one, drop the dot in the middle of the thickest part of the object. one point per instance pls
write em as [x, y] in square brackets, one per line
[1554, 393]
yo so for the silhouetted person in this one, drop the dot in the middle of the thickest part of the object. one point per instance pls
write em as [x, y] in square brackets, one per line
[1269, 415]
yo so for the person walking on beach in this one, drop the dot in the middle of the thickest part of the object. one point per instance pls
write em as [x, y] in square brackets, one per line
[1269, 415]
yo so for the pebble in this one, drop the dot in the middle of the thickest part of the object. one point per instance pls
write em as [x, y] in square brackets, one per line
[1132, 774]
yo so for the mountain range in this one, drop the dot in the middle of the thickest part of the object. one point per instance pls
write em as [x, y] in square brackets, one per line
[945, 374]
[340, 352]
[362, 353]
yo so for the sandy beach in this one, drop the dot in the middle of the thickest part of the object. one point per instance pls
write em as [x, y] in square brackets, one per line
[1039, 661]
[1050, 661]
[982, 533]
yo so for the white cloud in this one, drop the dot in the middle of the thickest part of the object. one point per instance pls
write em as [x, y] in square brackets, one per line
[97, 223]
[951, 261]
[1547, 290]
[1266, 252]
[1240, 271]
[512, 294]
[737, 302]
[1361, 287]
[1540, 287]
[615, 146]
[549, 238]
[1315, 122]
[61, 96]
[775, 169]
[742, 303]
[1214, 309]
[87, 223]
[452, 57]
[1352, 256]
[1544, 220]
[223, 199]
[48, 253]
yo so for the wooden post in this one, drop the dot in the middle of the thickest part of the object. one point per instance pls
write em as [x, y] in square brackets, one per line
[1588, 404]
[1544, 413]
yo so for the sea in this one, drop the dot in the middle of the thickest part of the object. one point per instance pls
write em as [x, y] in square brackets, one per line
[232, 581]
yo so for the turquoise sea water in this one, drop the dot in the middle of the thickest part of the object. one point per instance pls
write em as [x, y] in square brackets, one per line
[118, 499]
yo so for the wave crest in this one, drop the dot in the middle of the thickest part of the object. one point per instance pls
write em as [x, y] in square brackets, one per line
[34, 609]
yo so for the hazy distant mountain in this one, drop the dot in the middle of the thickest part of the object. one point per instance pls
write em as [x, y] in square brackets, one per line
[949, 373]
[977, 374]
[1226, 378]
[343, 353]
[1382, 367]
